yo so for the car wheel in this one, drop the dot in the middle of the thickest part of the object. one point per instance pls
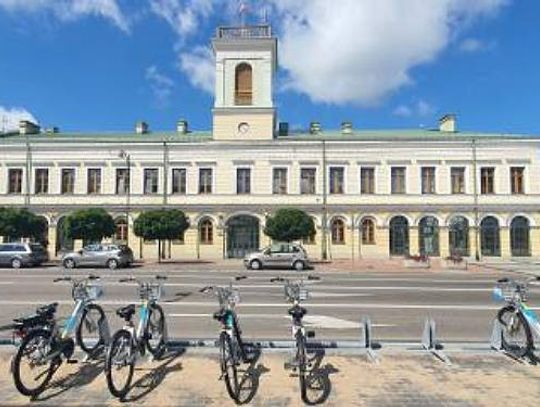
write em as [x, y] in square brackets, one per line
[69, 263]
[255, 265]
[298, 265]
[112, 264]
[16, 263]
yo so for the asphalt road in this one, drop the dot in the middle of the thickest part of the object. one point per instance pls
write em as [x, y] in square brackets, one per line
[397, 302]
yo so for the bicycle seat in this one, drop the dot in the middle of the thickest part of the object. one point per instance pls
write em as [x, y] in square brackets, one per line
[126, 312]
[297, 312]
[31, 320]
[47, 309]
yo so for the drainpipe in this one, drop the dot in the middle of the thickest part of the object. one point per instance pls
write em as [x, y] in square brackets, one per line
[28, 170]
[476, 214]
[165, 172]
[324, 242]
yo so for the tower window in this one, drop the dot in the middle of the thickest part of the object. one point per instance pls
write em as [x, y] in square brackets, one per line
[243, 91]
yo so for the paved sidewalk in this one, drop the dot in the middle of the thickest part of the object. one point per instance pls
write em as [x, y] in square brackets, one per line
[399, 380]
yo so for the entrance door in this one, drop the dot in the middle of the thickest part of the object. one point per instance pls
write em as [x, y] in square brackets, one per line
[399, 236]
[242, 236]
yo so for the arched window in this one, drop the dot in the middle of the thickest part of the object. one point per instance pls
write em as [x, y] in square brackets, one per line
[243, 91]
[490, 237]
[428, 236]
[519, 237]
[399, 236]
[338, 231]
[368, 231]
[120, 235]
[206, 232]
[458, 236]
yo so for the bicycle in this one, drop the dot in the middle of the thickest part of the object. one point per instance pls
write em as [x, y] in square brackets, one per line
[233, 351]
[295, 293]
[518, 321]
[44, 343]
[128, 343]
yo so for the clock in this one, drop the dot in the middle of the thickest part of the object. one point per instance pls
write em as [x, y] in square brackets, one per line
[243, 128]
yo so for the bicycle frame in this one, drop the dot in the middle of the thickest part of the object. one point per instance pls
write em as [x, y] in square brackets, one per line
[531, 317]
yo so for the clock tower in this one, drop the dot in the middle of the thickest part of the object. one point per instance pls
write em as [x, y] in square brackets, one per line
[246, 61]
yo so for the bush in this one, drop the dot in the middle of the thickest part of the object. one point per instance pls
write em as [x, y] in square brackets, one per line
[21, 223]
[89, 225]
[290, 224]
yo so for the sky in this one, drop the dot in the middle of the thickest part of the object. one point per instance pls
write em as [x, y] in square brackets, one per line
[102, 65]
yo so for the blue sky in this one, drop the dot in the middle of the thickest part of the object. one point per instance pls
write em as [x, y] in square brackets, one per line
[86, 65]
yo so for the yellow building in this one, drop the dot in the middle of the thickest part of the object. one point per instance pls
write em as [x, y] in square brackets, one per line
[373, 194]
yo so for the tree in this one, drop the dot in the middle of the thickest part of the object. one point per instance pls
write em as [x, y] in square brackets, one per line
[21, 223]
[163, 224]
[89, 225]
[290, 224]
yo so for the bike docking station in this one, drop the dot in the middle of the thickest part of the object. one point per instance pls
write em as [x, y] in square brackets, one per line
[367, 340]
[496, 344]
[431, 344]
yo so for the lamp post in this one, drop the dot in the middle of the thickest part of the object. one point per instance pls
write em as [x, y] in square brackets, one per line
[124, 155]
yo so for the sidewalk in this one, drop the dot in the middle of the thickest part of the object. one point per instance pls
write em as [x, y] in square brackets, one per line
[399, 380]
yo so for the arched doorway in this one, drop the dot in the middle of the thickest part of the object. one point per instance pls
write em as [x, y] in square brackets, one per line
[44, 236]
[490, 237]
[399, 236]
[242, 235]
[519, 237]
[428, 236]
[458, 236]
[63, 242]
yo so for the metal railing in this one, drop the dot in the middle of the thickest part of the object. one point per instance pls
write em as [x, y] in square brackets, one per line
[244, 32]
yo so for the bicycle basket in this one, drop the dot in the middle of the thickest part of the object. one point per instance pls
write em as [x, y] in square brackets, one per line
[509, 292]
[87, 292]
[228, 297]
[151, 292]
[296, 292]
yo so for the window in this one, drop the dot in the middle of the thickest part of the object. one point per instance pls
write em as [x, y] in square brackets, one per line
[151, 180]
[428, 180]
[94, 181]
[243, 181]
[367, 181]
[337, 180]
[121, 231]
[205, 181]
[307, 181]
[15, 180]
[516, 180]
[243, 92]
[206, 232]
[68, 181]
[398, 180]
[487, 180]
[338, 231]
[179, 181]
[279, 181]
[41, 183]
[368, 232]
[122, 181]
[457, 177]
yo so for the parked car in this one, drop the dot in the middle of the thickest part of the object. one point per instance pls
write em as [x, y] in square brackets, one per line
[99, 255]
[283, 255]
[19, 255]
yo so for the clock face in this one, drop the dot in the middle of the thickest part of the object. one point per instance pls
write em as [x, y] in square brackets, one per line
[243, 128]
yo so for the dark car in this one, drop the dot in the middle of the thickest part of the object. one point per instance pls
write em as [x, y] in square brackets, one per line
[17, 255]
[99, 255]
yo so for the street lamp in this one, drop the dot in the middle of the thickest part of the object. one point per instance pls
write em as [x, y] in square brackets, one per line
[124, 155]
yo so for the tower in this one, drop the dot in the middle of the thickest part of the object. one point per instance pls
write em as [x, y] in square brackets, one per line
[246, 61]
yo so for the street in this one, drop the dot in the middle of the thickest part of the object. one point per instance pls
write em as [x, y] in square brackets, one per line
[397, 302]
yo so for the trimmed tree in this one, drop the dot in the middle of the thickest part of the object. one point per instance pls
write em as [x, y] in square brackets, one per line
[89, 225]
[163, 224]
[289, 224]
[21, 223]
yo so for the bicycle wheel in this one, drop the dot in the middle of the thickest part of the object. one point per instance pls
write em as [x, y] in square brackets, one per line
[89, 336]
[120, 363]
[301, 360]
[318, 387]
[32, 370]
[229, 368]
[156, 331]
[516, 333]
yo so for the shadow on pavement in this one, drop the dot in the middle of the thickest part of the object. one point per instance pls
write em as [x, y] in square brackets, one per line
[249, 377]
[151, 380]
[318, 383]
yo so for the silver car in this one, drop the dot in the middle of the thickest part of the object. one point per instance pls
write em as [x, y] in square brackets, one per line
[17, 255]
[99, 255]
[282, 255]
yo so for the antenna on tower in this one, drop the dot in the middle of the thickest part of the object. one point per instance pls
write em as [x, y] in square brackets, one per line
[243, 9]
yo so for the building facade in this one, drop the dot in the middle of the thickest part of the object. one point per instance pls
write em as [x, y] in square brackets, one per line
[372, 194]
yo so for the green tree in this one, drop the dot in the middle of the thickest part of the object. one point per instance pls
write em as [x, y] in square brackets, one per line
[289, 224]
[89, 225]
[163, 224]
[21, 223]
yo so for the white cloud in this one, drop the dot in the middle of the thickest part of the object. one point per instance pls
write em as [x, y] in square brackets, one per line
[183, 16]
[161, 85]
[472, 45]
[199, 66]
[71, 10]
[420, 108]
[361, 51]
[10, 117]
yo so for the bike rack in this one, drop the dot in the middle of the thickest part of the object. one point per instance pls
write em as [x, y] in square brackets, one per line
[496, 343]
[430, 342]
[367, 340]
